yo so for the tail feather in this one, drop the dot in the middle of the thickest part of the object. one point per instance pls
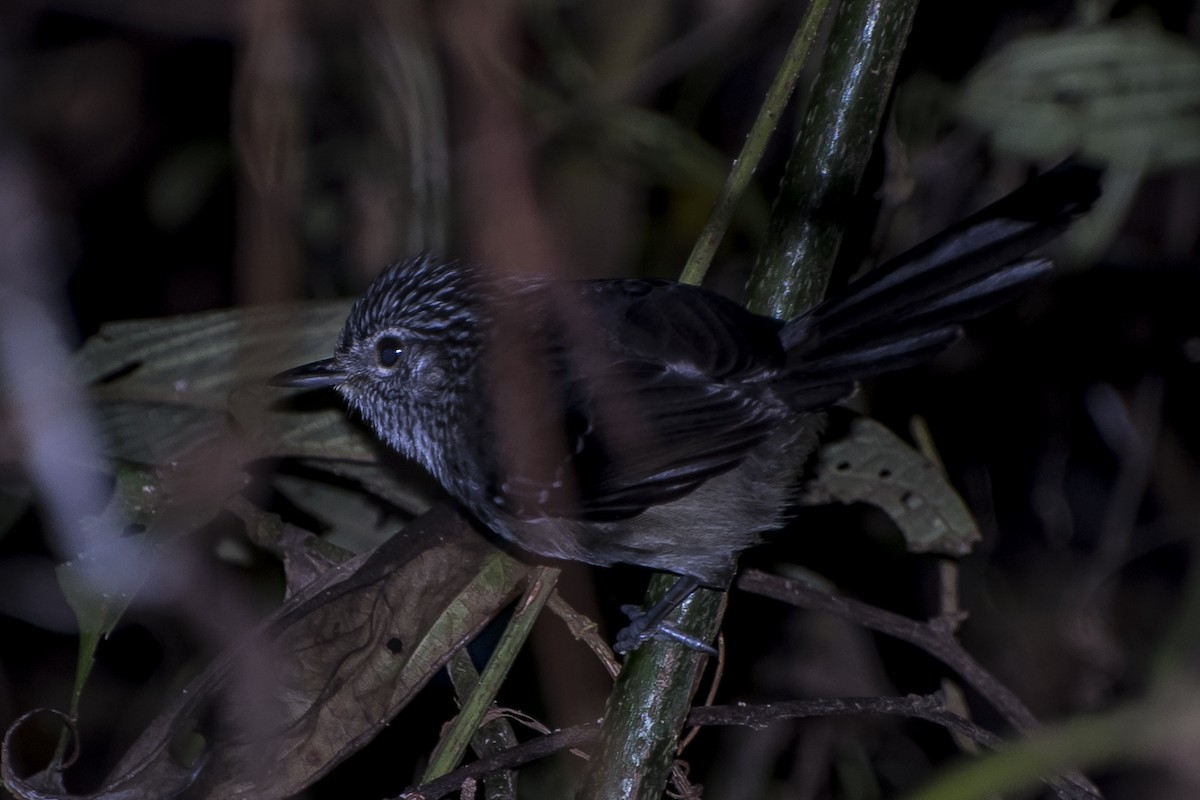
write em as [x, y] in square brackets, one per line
[896, 353]
[939, 312]
[912, 307]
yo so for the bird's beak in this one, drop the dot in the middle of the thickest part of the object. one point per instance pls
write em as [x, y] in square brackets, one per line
[310, 376]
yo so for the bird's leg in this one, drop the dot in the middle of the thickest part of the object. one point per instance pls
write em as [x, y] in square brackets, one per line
[651, 623]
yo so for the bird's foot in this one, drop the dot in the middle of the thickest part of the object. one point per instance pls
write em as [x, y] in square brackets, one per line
[651, 623]
[642, 629]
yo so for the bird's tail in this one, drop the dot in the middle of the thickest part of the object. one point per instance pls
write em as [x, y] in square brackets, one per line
[910, 308]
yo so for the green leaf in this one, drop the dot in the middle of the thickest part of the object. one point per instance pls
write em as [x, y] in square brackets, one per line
[344, 655]
[199, 358]
[164, 387]
[1125, 94]
[99, 585]
[96, 609]
[357, 521]
[401, 484]
[317, 430]
[870, 464]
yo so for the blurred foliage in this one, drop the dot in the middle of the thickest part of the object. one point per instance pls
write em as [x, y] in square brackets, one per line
[200, 157]
[1122, 94]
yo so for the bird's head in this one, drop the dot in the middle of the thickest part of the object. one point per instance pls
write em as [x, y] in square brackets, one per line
[407, 350]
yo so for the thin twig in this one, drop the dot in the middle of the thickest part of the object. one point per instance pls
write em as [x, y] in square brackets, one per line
[932, 637]
[935, 637]
[583, 628]
[566, 739]
[930, 708]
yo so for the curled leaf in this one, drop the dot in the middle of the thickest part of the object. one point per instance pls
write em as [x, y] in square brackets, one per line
[321, 676]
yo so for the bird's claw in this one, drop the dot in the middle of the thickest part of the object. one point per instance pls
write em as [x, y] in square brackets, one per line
[642, 628]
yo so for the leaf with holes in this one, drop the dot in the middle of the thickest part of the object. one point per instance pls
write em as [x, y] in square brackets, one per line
[870, 464]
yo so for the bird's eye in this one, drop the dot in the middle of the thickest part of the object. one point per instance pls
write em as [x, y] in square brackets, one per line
[387, 350]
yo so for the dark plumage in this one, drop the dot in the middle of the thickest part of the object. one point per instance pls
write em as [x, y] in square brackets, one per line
[650, 422]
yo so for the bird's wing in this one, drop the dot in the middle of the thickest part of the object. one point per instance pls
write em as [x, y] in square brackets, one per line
[661, 386]
[655, 387]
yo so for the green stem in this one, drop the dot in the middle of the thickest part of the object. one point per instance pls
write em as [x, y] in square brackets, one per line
[747, 161]
[831, 153]
[454, 744]
[649, 705]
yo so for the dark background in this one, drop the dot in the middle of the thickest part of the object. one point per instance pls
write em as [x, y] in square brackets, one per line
[199, 156]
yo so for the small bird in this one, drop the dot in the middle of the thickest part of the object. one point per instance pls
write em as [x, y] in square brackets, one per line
[650, 422]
